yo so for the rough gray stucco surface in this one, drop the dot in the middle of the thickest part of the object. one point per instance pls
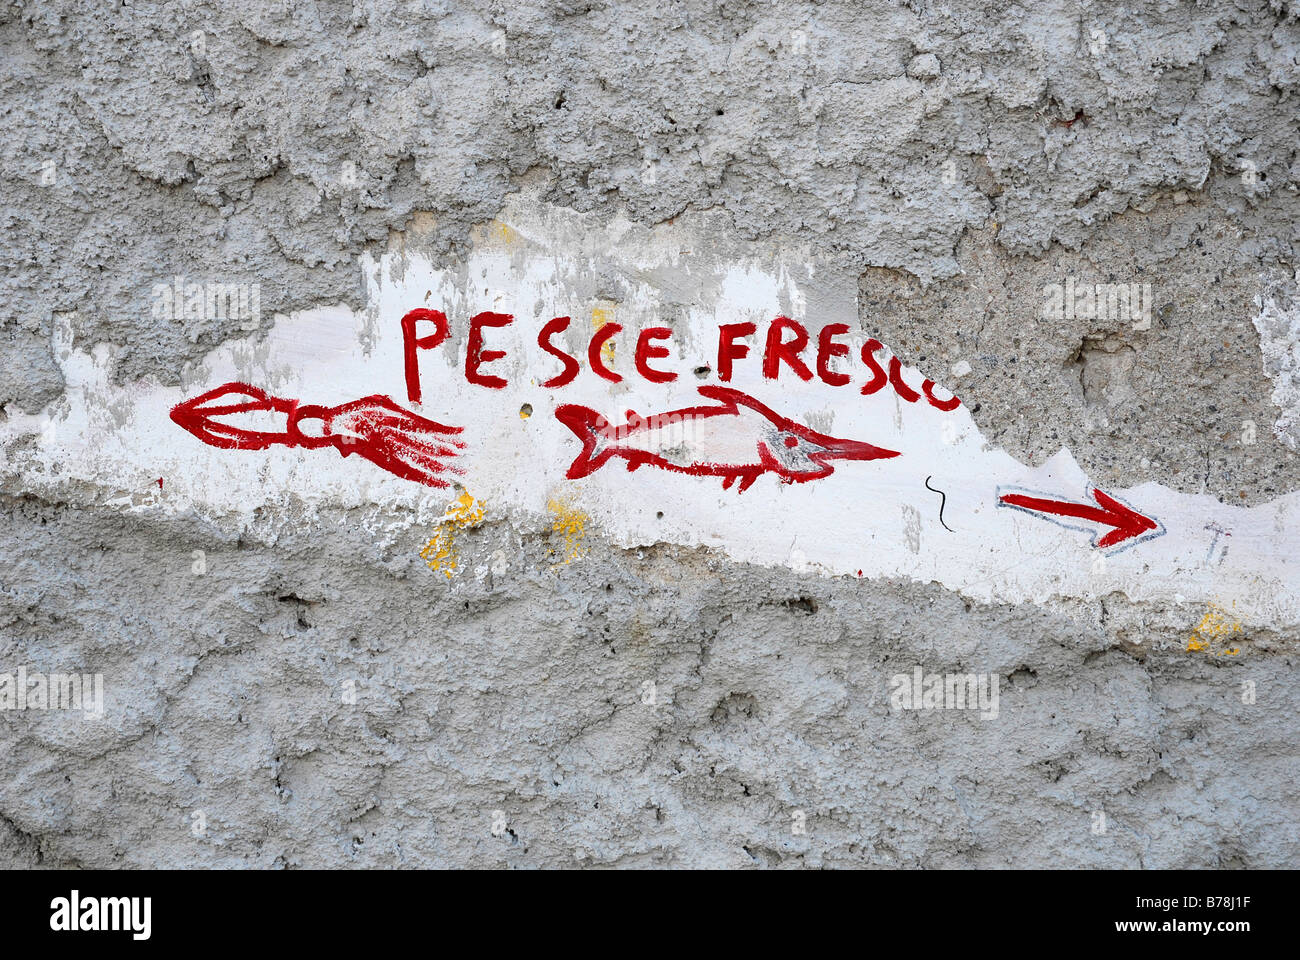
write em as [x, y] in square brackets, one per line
[959, 156]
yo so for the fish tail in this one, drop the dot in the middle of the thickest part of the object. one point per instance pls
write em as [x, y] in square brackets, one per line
[592, 429]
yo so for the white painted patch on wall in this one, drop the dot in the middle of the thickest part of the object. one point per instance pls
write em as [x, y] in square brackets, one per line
[812, 494]
[1278, 325]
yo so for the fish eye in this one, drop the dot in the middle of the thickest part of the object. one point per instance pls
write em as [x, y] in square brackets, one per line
[792, 441]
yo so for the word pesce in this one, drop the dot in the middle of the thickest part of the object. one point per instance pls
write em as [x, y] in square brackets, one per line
[787, 345]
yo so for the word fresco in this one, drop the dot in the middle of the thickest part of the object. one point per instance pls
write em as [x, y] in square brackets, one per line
[672, 385]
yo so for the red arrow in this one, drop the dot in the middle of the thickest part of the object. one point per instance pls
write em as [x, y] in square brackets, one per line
[1125, 521]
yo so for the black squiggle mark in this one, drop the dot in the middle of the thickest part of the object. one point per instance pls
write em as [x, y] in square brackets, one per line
[942, 503]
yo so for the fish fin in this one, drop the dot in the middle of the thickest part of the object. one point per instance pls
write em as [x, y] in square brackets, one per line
[734, 399]
[591, 428]
[728, 480]
[747, 482]
[727, 395]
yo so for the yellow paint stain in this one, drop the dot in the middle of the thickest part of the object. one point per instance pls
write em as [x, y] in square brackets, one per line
[599, 317]
[1214, 626]
[496, 233]
[570, 523]
[504, 233]
[440, 554]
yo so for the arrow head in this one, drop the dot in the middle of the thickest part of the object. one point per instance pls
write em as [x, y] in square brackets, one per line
[1126, 521]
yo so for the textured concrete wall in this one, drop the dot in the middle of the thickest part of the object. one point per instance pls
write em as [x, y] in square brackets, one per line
[295, 675]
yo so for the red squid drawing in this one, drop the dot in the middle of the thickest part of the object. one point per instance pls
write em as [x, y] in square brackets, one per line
[236, 416]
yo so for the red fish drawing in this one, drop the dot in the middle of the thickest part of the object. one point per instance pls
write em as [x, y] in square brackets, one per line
[741, 438]
[235, 416]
